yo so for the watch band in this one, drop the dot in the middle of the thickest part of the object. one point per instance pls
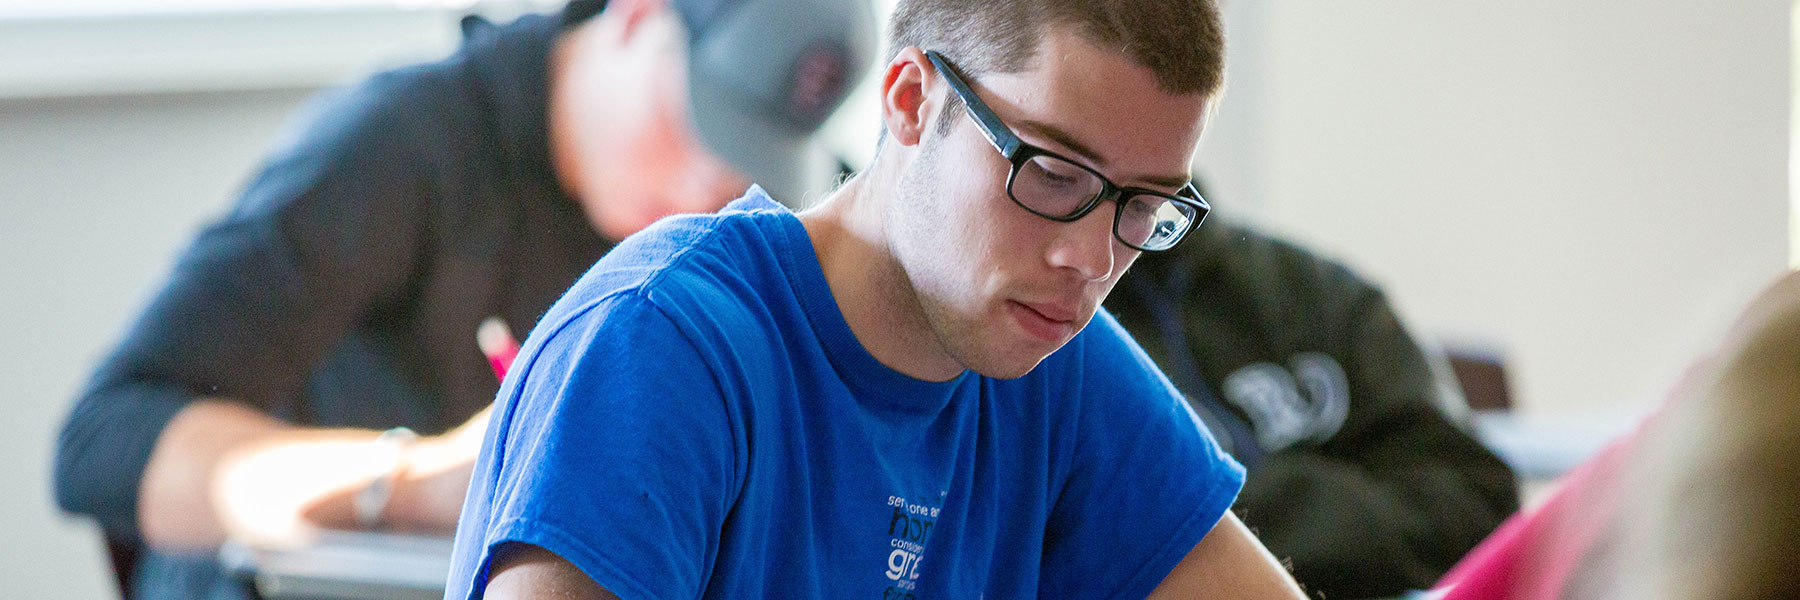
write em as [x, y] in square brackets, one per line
[372, 500]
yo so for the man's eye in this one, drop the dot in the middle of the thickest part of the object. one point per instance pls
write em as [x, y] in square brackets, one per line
[1140, 209]
[1056, 173]
[1062, 179]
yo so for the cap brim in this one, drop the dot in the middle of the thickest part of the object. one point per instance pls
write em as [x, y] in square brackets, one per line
[772, 155]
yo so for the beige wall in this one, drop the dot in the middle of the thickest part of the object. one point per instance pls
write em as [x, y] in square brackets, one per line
[96, 197]
[119, 138]
[1595, 185]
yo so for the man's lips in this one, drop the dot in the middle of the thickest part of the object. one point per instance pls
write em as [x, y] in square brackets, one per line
[1051, 311]
[1045, 321]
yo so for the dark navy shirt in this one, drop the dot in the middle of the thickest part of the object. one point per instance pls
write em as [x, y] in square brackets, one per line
[345, 287]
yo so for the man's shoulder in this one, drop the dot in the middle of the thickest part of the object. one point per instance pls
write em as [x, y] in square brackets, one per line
[390, 118]
[698, 262]
[744, 234]
[433, 104]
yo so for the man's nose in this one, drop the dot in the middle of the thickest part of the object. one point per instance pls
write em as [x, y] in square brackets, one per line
[1086, 245]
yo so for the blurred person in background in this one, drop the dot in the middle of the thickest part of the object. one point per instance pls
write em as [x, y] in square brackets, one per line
[1359, 475]
[1702, 502]
[274, 383]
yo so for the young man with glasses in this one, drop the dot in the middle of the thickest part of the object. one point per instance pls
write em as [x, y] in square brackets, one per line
[897, 394]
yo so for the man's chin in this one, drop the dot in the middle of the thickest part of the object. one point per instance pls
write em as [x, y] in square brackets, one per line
[1018, 364]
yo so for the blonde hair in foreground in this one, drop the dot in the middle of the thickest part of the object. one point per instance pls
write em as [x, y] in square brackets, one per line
[1712, 503]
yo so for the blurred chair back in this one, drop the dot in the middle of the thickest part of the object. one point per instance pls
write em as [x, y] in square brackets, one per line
[1481, 373]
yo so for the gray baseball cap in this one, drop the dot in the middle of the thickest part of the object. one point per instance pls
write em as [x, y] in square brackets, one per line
[763, 75]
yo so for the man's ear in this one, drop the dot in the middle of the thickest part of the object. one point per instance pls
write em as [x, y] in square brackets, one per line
[906, 104]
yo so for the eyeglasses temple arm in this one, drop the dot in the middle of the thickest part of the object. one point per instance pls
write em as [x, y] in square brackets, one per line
[997, 134]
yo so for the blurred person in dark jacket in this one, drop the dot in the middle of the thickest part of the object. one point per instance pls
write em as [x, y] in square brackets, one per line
[1358, 475]
[273, 384]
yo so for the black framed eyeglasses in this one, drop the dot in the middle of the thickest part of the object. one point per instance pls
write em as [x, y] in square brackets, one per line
[1057, 188]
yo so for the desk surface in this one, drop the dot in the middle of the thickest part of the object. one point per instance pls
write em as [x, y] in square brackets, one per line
[1543, 449]
[356, 565]
[346, 565]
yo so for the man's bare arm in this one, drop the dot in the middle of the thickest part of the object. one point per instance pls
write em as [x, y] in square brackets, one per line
[221, 469]
[526, 571]
[1228, 563]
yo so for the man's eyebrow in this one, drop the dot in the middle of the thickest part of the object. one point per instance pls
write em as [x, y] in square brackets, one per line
[1065, 138]
[1075, 145]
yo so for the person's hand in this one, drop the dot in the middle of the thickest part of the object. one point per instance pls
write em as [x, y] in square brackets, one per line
[224, 470]
[433, 477]
[430, 478]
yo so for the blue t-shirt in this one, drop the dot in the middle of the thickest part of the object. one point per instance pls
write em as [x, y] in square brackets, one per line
[694, 419]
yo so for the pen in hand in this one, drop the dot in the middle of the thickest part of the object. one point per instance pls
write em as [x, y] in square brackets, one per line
[497, 344]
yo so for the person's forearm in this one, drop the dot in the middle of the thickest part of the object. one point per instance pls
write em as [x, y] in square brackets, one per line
[222, 470]
[526, 571]
[1228, 563]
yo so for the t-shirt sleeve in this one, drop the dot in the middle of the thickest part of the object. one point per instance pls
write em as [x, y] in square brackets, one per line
[611, 448]
[1145, 481]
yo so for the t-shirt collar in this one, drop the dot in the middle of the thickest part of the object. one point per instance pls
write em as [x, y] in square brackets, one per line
[874, 384]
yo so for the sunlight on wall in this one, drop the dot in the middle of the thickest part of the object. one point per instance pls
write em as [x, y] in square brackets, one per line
[1794, 147]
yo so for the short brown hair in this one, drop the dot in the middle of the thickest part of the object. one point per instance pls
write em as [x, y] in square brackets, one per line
[1181, 41]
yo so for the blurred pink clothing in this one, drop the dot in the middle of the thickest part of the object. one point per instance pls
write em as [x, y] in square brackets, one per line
[1571, 546]
[1533, 555]
[1537, 554]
